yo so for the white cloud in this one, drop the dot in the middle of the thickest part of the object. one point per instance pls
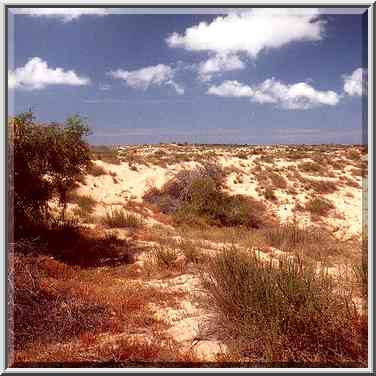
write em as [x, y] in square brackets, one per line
[217, 64]
[36, 74]
[299, 96]
[231, 89]
[157, 75]
[355, 84]
[63, 14]
[251, 32]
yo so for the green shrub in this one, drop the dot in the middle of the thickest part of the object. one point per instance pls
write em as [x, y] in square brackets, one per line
[44, 162]
[283, 311]
[196, 197]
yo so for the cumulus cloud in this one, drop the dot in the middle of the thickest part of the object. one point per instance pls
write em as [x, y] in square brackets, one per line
[355, 84]
[36, 74]
[231, 89]
[219, 63]
[63, 14]
[157, 75]
[251, 32]
[299, 96]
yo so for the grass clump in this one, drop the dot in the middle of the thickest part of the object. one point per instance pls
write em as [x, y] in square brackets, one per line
[321, 186]
[164, 256]
[283, 311]
[319, 206]
[84, 202]
[310, 167]
[118, 217]
[277, 180]
[96, 170]
[312, 242]
[269, 194]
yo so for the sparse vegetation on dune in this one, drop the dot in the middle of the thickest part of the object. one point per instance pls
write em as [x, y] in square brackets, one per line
[99, 273]
[108, 154]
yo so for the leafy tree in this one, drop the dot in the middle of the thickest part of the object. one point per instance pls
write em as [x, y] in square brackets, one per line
[44, 161]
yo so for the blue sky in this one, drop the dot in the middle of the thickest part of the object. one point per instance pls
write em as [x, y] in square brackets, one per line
[257, 76]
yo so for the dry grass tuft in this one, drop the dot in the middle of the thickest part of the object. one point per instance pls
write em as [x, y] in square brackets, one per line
[283, 312]
[96, 170]
[117, 218]
[319, 206]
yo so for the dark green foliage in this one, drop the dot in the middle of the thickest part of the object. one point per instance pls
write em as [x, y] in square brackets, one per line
[44, 162]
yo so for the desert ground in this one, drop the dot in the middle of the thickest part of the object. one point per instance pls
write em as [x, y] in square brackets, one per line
[144, 284]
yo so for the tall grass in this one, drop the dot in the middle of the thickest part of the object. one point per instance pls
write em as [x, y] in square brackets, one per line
[313, 242]
[118, 217]
[284, 311]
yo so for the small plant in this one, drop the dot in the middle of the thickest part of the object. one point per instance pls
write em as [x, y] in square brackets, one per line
[190, 251]
[321, 186]
[242, 155]
[310, 167]
[96, 170]
[319, 206]
[117, 217]
[277, 180]
[85, 202]
[269, 194]
[354, 155]
[164, 256]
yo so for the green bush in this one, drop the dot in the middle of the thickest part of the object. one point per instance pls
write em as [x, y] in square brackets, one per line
[44, 162]
[196, 197]
[283, 311]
